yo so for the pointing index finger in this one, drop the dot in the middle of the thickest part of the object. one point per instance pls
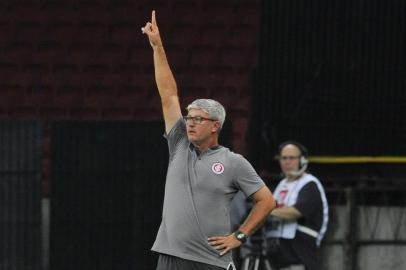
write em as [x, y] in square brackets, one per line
[153, 20]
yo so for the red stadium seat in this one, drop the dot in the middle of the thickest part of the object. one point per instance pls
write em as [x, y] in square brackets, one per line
[219, 13]
[185, 12]
[183, 35]
[124, 33]
[67, 96]
[243, 36]
[61, 31]
[204, 57]
[213, 36]
[237, 58]
[91, 32]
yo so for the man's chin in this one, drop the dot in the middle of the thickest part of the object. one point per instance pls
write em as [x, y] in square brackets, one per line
[191, 138]
[290, 173]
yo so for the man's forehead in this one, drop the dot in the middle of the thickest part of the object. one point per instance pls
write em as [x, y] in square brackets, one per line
[197, 112]
[290, 149]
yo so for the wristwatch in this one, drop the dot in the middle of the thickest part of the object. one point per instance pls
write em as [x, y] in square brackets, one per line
[242, 237]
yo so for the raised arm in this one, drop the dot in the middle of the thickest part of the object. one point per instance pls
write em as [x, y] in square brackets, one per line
[163, 76]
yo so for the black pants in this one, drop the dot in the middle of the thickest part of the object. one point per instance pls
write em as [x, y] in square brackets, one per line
[301, 250]
[167, 262]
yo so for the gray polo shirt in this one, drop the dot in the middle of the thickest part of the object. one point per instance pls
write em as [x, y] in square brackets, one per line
[198, 192]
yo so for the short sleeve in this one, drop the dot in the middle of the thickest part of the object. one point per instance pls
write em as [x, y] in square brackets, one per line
[309, 200]
[246, 178]
[175, 135]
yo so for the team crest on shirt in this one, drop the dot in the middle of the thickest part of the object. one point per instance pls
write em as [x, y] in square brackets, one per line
[217, 168]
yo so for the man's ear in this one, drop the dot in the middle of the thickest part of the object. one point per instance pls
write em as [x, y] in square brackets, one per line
[216, 127]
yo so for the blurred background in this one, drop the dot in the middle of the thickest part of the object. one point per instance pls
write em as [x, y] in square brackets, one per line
[82, 157]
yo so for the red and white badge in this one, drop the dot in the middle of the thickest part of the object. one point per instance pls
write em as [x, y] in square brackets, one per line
[217, 168]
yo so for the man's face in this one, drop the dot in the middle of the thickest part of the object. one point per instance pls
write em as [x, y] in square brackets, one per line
[200, 131]
[289, 159]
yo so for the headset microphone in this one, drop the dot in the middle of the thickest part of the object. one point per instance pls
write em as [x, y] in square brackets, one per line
[302, 169]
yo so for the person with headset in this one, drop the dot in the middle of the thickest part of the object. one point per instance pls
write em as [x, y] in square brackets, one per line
[297, 226]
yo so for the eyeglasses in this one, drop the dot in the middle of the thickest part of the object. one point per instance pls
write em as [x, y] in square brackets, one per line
[289, 157]
[197, 119]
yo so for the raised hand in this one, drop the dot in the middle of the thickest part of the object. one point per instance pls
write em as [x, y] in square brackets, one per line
[152, 31]
[163, 76]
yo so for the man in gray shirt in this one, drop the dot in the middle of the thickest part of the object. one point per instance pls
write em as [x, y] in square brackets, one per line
[201, 181]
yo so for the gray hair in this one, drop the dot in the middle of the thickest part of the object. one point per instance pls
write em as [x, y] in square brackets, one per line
[213, 108]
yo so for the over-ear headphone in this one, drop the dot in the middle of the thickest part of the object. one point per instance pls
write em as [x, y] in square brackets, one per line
[303, 162]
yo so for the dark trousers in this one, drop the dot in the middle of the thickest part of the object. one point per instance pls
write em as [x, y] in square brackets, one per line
[299, 251]
[167, 262]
